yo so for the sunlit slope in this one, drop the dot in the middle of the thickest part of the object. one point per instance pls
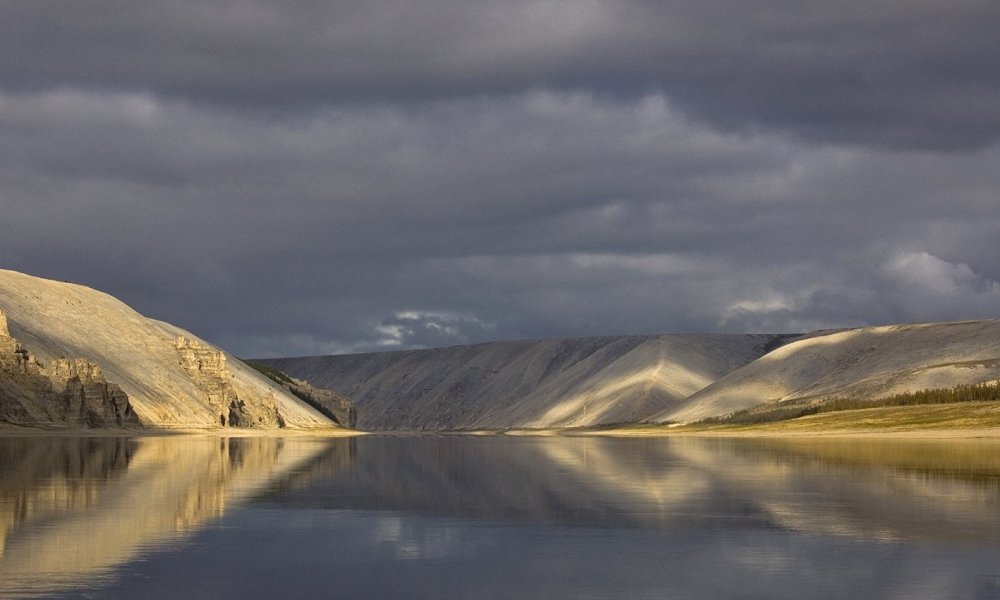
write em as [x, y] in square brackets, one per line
[171, 377]
[864, 363]
[544, 383]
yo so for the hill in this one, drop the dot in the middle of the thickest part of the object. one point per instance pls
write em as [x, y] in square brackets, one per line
[867, 363]
[72, 357]
[540, 383]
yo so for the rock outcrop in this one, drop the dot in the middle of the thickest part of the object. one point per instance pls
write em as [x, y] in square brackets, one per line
[207, 366]
[74, 357]
[89, 400]
[67, 392]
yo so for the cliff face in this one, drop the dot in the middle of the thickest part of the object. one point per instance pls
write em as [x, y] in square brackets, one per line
[74, 357]
[69, 392]
[207, 366]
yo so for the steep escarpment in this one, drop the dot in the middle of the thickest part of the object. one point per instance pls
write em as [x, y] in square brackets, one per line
[207, 367]
[74, 357]
[69, 392]
[866, 363]
[539, 383]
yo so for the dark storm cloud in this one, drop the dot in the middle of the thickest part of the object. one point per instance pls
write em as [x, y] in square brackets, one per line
[888, 72]
[292, 178]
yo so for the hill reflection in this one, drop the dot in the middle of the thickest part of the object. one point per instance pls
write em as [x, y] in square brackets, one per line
[75, 512]
[72, 509]
[870, 489]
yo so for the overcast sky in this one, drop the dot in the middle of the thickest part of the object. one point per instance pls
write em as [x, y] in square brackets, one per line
[293, 177]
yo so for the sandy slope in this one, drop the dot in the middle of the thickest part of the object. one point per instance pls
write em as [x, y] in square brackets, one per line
[543, 383]
[870, 362]
[55, 320]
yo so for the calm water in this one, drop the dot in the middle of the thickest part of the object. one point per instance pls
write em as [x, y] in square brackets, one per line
[471, 517]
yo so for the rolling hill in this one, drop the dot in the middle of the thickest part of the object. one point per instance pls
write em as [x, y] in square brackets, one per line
[866, 363]
[532, 384]
[72, 357]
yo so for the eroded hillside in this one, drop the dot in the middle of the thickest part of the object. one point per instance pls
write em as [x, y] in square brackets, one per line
[74, 357]
[542, 383]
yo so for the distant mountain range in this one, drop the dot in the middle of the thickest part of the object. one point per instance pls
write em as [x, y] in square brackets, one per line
[72, 357]
[660, 379]
[533, 384]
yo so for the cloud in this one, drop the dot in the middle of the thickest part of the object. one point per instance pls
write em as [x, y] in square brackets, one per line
[541, 214]
[883, 73]
[412, 328]
[925, 286]
[302, 178]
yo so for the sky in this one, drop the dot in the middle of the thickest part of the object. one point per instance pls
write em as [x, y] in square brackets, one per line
[296, 177]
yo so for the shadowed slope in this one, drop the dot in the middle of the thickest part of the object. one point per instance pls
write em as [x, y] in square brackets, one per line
[543, 383]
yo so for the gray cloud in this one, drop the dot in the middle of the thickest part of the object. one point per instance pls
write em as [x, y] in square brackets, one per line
[887, 72]
[296, 178]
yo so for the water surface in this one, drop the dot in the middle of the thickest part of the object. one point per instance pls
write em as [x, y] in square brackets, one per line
[495, 517]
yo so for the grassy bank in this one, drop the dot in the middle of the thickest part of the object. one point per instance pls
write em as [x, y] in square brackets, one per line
[922, 417]
[927, 421]
[785, 411]
[972, 409]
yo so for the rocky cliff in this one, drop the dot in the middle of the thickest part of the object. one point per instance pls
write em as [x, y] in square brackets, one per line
[74, 357]
[67, 392]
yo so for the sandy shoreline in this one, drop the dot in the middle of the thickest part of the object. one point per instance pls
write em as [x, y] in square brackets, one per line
[6, 431]
[923, 434]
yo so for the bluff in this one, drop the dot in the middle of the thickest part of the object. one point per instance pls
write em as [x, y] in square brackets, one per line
[73, 357]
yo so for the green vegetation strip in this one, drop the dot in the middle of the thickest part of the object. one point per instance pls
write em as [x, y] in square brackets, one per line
[983, 392]
[271, 373]
[293, 388]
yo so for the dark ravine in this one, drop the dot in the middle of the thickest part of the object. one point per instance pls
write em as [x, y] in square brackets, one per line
[335, 406]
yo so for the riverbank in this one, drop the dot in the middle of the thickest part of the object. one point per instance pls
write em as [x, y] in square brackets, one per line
[966, 420]
[945, 421]
[7, 430]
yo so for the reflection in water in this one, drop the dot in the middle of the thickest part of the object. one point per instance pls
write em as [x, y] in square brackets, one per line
[875, 489]
[495, 517]
[865, 489]
[71, 509]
